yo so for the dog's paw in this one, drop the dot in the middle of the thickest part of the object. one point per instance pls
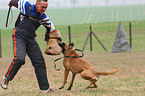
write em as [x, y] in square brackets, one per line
[69, 88]
[91, 87]
[61, 87]
[87, 87]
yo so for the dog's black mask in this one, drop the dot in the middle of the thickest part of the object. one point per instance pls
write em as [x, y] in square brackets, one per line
[62, 45]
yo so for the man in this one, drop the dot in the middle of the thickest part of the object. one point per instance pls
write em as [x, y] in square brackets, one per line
[30, 18]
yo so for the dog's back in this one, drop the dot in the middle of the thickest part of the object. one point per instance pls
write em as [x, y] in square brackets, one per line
[78, 65]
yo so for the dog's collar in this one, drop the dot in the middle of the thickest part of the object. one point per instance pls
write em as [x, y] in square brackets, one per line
[68, 56]
[70, 51]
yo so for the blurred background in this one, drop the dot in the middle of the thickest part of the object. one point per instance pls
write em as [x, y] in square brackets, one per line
[81, 3]
[70, 12]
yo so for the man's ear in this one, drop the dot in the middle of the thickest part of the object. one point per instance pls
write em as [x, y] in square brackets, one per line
[71, 45]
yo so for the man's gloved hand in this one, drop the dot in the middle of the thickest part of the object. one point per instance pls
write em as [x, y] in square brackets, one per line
[9, 4]
[53, 35]
[46, 37]
[13, 3]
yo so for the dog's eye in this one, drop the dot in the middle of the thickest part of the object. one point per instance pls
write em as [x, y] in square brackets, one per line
[50, 47]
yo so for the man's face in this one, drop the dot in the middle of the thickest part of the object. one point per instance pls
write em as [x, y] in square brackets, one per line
[41, 7]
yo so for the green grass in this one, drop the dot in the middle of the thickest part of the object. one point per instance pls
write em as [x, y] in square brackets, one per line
[128, 81]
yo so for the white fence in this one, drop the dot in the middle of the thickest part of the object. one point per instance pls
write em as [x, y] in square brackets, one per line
[81, 3]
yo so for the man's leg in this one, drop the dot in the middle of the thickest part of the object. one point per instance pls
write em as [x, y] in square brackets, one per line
[18, 61]
[38, 62]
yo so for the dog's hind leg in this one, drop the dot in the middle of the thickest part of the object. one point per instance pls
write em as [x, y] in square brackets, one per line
[71, 83]
[89, 86]
[94, 85]
[88, 76]
[66, 72]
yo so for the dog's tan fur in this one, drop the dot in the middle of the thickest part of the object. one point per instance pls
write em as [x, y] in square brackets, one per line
[82, 66]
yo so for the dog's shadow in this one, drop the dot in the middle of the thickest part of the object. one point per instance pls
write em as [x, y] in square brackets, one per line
[91, 90]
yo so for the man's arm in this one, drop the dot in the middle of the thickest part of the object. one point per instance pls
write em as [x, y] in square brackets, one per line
[45, 21]
[14, 3]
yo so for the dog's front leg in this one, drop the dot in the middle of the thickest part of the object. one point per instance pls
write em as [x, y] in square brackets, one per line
[66, 72]
[71, 83]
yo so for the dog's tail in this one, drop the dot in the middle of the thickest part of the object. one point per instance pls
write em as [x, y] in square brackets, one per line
[108, 73]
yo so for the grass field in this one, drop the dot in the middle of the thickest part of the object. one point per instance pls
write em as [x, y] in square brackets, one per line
[128, 81]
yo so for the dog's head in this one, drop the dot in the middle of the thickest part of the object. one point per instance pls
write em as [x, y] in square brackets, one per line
[66, 47]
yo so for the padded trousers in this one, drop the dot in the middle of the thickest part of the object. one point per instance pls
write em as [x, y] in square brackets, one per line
[23, 45]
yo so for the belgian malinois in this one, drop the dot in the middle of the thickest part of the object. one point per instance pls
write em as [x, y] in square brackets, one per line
[79, 65]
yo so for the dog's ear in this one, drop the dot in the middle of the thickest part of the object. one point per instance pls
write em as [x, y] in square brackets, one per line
[71, 45]
[62, 44]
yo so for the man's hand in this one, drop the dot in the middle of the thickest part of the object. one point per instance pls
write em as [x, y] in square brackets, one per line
[9, 4]
[13, 3]
[46, 37]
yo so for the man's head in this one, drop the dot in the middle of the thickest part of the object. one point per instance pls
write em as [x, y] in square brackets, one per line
[41, 6]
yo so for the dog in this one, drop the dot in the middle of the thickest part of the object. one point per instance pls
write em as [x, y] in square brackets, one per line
[79, 65]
